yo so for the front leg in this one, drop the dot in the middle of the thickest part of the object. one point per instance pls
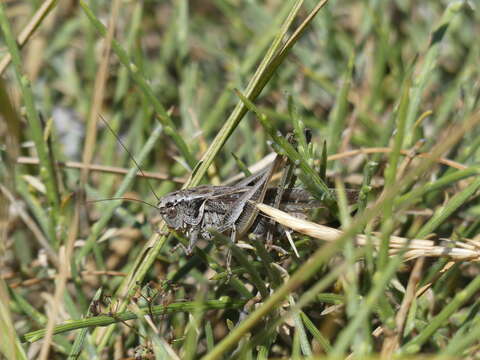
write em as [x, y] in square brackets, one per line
[193, 238]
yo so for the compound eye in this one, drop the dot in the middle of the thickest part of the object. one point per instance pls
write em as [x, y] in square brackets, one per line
[171, 212]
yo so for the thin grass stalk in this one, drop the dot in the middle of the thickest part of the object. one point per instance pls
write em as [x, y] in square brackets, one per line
[104, 169]
[380, 280]
[300, 330]
[10, 345]
[306, 298]
[60, 287]
[46, 167]
[445, 211]
[142, 83]
[414, 345]
[428, 66]
[122, 83]
[444, 181]
[309, 176]
[376, 150]
[109, 209]
[265, 70]
[192, 333]
[27, 32]
[80, 338]
[317, 335]
[350, 278]
[105, 320]
[98, 96]
[336, 119]
[391, 173]
[463, 339]
[209, 335]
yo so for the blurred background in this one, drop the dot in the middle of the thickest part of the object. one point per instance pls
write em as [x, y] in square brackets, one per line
[344, 78]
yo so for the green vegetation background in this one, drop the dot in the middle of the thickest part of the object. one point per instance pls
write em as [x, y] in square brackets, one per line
[364, 75]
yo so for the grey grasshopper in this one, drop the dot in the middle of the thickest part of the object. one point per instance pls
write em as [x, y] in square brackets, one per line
[230, 210]
[225, 209]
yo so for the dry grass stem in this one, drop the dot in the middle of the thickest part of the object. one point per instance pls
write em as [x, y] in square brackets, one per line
[408, 153]
[103, 168]
[32, 226]
[415, 248]
[98, 94]
[392, 341]
[29, 30]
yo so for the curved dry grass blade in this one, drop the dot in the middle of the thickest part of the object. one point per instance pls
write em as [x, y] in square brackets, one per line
[415, 248]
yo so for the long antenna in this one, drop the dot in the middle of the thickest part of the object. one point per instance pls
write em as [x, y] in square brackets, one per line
[130, 155]
[123, 198]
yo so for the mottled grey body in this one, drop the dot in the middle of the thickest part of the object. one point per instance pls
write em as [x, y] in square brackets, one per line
[229, 209]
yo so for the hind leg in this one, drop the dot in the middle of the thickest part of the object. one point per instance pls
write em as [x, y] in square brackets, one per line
[228, 261]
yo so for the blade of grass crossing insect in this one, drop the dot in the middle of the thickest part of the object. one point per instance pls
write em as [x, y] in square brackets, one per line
[241, 165]
[308, 175]
[257, 83]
